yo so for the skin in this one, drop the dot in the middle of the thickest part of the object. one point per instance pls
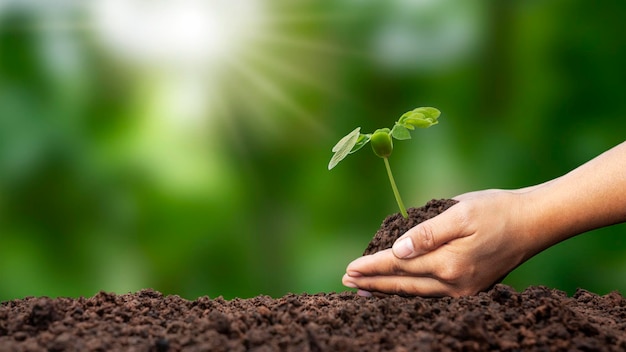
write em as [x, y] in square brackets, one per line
[479, 240]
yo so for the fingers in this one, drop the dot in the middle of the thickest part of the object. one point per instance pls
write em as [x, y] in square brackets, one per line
[432, 233]
[386, 263]
[401, 285]
[432, 275]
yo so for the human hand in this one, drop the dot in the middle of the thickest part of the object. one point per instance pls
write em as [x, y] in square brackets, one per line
[464, 250]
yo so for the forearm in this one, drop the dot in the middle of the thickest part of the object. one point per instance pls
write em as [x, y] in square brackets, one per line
[591, 196]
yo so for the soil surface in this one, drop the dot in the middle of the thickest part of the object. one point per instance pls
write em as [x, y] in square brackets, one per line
[537, 319]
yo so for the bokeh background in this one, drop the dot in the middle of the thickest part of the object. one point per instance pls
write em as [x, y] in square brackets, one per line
[183, 145]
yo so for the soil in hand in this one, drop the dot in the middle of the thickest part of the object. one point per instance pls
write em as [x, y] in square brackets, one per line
[395, 225]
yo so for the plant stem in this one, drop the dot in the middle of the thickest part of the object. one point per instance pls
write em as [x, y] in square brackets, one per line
[395, 190]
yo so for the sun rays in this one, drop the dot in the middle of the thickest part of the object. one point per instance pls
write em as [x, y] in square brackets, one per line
[198, 67]
[243, 54]
[272, 48]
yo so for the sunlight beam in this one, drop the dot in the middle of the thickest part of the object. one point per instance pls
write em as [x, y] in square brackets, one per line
[287, 68]
[292, 42]
[274, 92]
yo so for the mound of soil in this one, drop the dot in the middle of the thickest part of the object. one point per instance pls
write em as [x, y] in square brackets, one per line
[537, 319]
[395, 225]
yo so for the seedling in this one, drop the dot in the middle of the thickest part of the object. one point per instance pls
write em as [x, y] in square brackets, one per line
[382, 142]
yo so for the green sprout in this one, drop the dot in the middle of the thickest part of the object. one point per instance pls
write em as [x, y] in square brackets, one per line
[382, 142]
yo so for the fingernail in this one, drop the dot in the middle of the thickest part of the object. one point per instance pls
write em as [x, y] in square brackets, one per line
[352, 273]
[403, 248]
[346, 281]
[364, 293]
[349, 284]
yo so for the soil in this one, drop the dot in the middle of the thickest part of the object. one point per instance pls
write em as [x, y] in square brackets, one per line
[501, 319]
[395, 225]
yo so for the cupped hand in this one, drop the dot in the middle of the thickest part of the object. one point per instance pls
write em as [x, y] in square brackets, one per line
[462, 251]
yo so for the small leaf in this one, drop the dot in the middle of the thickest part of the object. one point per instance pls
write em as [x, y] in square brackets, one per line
[408, 126]
[420, 117]
[343, 147]
[420, 122]
[401, 132]
[347, 139]
[430, 113]
[363, 139]
[424, 114]
[411, 114]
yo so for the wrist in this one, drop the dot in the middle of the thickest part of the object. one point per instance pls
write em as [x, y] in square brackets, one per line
[549, 216]
[526, 225]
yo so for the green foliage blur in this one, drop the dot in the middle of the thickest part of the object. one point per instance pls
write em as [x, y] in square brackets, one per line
[184, 147]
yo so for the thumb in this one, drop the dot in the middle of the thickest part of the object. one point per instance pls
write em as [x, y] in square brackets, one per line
[430, 234]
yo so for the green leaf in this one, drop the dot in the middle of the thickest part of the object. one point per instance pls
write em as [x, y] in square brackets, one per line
[363, 139]
[420, 117]
[343, 147]
[401, 132]
[420, 123]
[430, 113]
[408, 126]
[411, 114]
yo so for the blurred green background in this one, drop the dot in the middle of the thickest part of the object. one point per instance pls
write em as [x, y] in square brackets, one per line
[183, 146]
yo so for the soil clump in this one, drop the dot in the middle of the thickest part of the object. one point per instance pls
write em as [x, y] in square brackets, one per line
[395, 225]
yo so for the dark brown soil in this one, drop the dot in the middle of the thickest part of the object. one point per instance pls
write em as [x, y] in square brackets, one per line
[395, 225]
[537, 319]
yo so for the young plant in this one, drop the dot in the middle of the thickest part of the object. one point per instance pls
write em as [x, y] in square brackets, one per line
[382, 142]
